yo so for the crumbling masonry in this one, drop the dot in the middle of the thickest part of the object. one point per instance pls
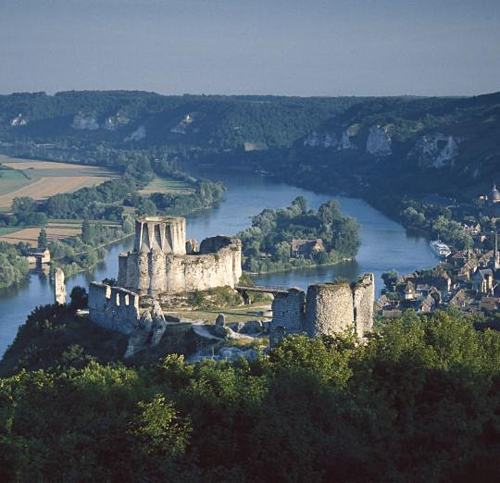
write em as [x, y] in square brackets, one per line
[329, 308]
[164, 262]
[113, 308]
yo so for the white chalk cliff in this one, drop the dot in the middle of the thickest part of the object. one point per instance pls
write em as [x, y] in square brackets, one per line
[112, 123]
[137, 135]
[85, 122]
[436, 150]
[183, 124]
[328, 139]
[378, 142]
[19, 120]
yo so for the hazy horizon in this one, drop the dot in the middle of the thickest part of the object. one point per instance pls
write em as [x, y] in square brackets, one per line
[335, 48]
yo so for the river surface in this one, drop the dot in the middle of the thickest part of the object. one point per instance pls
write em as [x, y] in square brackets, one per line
[385, 246]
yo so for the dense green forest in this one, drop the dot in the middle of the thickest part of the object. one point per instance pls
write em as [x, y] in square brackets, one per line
[418, 402]
[218, 122]
[272, 243]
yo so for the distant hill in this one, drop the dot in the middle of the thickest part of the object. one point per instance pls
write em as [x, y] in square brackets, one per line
[399, 144]
[448, 145]
[138, 119]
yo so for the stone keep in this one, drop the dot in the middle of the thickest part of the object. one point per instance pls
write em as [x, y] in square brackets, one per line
[160, 263]
[329, 308]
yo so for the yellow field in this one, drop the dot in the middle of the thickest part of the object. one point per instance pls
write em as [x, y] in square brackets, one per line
[30, 235]
[23, 164]
[49, 178]
[45, 187]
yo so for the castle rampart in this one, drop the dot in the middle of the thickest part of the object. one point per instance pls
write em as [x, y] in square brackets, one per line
[113, 308]
[329, 308]
[288, 314]
[164, 262]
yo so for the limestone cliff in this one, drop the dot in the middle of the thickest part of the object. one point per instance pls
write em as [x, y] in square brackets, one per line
[19, 120]
[181, 127]
[85, 122]
[329, 140]
[148, 332]
[112, 123]
[137, 135]
[435, 150]
[378, 142]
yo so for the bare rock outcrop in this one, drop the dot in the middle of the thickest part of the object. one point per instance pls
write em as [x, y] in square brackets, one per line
[148, 332]
[159, 325]
[378, 142]
[436, 150]
[85, 122]
[137, 135]
[139, 337]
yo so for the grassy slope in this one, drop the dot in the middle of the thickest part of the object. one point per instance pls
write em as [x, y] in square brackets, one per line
[167, 185]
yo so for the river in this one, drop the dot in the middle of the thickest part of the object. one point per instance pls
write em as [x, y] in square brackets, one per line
[385, 246]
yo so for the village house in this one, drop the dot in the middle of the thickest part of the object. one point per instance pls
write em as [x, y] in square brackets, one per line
[307, 248]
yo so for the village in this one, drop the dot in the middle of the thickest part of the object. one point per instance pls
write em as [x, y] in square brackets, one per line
[467, 280]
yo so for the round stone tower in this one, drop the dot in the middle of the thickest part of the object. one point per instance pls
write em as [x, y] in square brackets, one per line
[162, 233]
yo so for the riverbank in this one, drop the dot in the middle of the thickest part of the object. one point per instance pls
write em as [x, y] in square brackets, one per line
[291, 269]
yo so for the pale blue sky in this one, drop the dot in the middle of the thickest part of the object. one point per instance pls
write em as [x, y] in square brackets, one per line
[314, 47]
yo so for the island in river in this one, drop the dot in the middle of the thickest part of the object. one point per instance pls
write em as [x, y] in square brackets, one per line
[298, 237]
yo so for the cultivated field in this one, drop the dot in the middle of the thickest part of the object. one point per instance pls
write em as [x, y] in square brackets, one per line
[30, 235]
[12, 180]
[41, 179]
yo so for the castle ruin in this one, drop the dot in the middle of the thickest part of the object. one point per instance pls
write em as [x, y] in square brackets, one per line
[113, 308]
[327, 309]
[163, 261]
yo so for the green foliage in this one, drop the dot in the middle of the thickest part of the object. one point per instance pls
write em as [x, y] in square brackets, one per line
[218, 122]
[267, 244]
[42, 239]
[206, 194]
[219, 297]
[159, 429]
[419, 401]
[79, 298]
[453, 233]
[24, 209]
[13, 265]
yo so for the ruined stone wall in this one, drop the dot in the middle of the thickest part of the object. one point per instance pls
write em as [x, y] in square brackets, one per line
[157, 272]
[167, 234]
[364, 298]
[113, 308]
[203, 271]
[329, 308]
[59, 287]
[288, 314]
